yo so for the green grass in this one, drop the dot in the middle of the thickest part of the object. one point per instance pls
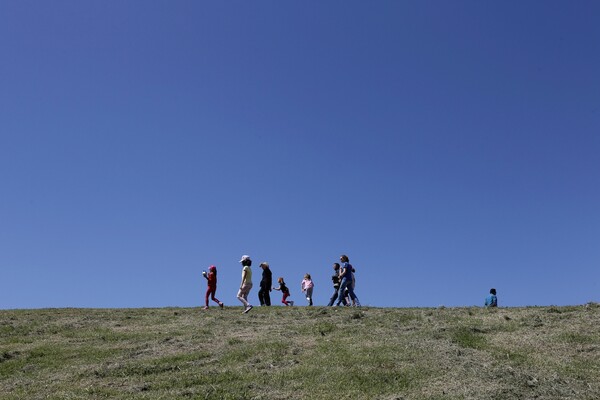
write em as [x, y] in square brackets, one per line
[301, 353]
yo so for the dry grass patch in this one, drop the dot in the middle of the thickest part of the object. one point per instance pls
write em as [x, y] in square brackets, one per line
[301, 352]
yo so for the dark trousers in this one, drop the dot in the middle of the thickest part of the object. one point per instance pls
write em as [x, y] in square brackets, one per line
[264, 296]
[335, 296]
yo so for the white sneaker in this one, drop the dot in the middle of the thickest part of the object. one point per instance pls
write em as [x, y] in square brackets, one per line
[291, 303]
[248, 309]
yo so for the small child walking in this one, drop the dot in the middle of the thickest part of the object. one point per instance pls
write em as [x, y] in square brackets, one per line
[211, 277]
[307, 286]
[492, 299]
[335, 278]
[286, 292]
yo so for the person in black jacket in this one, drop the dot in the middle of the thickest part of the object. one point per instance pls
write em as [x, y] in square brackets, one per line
[336, 283]
[266, 282]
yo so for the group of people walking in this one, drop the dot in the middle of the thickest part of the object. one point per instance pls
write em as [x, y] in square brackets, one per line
[343, 285]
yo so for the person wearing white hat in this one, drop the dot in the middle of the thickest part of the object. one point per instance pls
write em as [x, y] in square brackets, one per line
[246, 283]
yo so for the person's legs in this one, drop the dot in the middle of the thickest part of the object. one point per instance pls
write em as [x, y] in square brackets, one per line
[264, 296]
[309, 293]
[333, 297]
[213, 297]
[243, 294]
[353, 296]
[206, 297]
[340, 298]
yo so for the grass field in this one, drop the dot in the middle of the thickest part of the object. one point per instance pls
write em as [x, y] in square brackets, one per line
[301, 353]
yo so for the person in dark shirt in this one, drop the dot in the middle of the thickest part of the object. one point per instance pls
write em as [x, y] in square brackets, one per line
[286, 292]
[335, 278]
[264, 294]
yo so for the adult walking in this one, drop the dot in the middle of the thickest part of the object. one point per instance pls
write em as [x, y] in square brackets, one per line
[346, 277]
[266, 284]
[246, 283]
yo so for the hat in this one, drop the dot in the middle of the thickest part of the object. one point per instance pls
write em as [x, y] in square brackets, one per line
[266, 264]
[244, 258]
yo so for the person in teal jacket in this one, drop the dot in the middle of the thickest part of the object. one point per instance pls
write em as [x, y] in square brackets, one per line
[492, 299]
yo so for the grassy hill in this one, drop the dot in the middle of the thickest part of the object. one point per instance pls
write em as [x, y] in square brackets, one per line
[301, 353]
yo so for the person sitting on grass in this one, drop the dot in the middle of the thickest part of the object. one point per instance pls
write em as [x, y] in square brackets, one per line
[492, 299]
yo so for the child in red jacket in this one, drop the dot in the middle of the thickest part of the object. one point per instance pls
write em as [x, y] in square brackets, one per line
[211, 277]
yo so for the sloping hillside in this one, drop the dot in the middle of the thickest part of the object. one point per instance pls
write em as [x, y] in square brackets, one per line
[301, 353]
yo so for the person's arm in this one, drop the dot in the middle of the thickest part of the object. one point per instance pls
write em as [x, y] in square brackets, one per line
[244, 272]
[270, 280]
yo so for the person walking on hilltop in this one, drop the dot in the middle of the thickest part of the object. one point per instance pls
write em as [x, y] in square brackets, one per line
[307, 286]
[349, 301]
[335, 278]
[346, 276]
[246, 283]
[266, 283]
[353, 284]
[286, 292]
[211, 277]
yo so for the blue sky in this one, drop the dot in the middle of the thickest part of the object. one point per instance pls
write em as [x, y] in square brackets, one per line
[446, 147]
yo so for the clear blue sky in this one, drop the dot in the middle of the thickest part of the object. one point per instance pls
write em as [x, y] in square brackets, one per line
[446, 147]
